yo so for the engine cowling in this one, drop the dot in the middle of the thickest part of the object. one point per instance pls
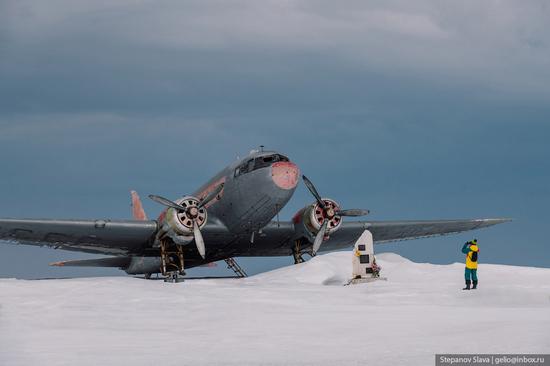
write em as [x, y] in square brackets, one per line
[309, 219]
[178, 225]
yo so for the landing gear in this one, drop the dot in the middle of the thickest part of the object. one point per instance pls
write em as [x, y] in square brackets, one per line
[172, 264]
[298, 258]
[297, 252]
[173, 277]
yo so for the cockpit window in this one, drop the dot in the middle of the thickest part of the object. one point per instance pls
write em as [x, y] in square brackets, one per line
[259, 162]
[264, 161]
[245, 168]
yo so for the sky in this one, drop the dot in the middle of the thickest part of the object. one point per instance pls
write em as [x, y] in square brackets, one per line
[424, 110]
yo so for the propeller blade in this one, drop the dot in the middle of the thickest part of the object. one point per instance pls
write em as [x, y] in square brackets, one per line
[319, 237]
[210, 196]
[354, 212]
[314, 192]
[166, 202]
[199, 241]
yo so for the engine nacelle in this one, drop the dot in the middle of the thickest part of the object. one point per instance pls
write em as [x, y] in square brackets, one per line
[309, 219]
[178, 225]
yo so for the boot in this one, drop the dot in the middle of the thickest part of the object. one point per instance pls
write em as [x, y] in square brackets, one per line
[468, 282]
[475, 285]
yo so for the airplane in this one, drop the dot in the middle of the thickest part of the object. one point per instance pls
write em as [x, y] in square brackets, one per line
[232, 215]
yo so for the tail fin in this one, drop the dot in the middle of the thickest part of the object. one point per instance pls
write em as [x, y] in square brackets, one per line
[137, 209]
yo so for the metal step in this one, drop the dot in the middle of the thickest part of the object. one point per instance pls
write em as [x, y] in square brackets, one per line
[233, 265]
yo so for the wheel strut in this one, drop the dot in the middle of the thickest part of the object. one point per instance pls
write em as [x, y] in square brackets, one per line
[172, 262]
[297, 252]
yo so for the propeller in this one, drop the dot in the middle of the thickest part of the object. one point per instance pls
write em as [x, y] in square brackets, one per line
[319, 237]
[210, 196]
[199, 241]
[166, 202]
[314, 192]
[353, 212]
[192, 212]
[329, 214]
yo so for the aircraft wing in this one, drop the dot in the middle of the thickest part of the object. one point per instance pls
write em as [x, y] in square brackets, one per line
[277, 238]
[388, 231]
[134, 237]
[114, 237]
[110, 237]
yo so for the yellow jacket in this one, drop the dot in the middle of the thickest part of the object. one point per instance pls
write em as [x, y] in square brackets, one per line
[469, 263]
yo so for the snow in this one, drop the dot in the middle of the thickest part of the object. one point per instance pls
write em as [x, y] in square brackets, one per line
[297, 315]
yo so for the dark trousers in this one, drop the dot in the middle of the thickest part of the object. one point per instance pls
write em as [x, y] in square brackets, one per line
[470, 274]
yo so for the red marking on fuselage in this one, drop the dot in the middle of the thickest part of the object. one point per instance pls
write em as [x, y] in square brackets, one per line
[285, 174]
[210, 265]
[209, 189]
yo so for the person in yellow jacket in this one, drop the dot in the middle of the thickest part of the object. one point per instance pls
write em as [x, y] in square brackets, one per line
[471, 250]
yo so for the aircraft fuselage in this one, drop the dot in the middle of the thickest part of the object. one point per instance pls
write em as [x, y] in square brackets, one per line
[255, 189]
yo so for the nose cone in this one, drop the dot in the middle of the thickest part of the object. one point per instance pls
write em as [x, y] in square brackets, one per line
[285, 174]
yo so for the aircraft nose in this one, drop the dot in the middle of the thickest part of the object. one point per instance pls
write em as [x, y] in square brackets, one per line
[285, 174]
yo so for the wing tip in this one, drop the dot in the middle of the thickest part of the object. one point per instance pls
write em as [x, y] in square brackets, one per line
[495, 221]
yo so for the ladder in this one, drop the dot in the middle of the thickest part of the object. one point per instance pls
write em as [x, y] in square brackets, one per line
[171, 258]
[233, 265]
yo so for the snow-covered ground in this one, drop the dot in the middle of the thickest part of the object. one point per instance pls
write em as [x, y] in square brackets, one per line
[294, 315]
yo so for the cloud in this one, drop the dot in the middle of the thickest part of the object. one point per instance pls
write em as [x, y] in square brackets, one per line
[167, 56]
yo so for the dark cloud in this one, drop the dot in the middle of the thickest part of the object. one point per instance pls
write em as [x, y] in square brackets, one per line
[166, 56]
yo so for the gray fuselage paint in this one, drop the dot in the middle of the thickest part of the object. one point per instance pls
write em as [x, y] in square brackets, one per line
[250, 200]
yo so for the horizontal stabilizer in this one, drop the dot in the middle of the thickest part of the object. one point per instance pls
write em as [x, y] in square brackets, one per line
[98, 262]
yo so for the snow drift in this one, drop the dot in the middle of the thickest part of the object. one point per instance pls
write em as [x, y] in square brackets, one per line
[294, 315]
